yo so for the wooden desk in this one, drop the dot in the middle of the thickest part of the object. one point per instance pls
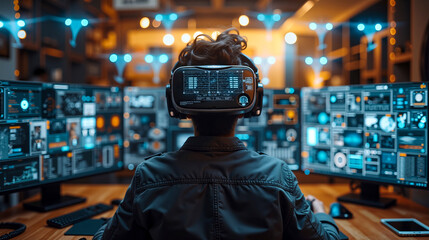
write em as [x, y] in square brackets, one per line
[365, 224]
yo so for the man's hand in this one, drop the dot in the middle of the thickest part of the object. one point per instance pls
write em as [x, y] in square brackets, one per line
[318, 206]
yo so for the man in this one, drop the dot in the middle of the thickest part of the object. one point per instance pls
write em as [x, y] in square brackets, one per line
[213, 187]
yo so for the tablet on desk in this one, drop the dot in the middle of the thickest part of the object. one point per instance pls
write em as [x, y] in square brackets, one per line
[406, 226]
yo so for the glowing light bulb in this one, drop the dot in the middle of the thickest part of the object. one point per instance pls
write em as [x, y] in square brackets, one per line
[271, 60]
[148, 58]
[257, 60]
[308, 60]
[128, 57]
[84, 22]
[243, 20]
[113, 58]
[144, 22]
[329, 26]
[312, 26]
[290, 38]
[173, 16]
[186, 38]
[68, 22]
[378, 27]
[20, 23]
[276, 17]
[1, 24]
[323, 60]
[261, 17]
[265, 81]
[22, 34]
[163, 58]
[361, 27]
[168, 39]
[158, 17]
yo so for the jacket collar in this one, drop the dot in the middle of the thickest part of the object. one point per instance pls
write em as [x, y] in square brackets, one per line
[215, 144]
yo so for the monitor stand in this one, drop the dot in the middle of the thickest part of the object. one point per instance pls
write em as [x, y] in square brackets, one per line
[369, 196]
[52, 199]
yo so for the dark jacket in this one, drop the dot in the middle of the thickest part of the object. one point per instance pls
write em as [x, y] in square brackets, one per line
[214, 188]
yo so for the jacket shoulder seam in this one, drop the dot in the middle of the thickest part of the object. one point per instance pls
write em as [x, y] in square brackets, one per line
[212, 181]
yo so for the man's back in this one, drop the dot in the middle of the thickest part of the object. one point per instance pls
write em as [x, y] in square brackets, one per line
[214, 188]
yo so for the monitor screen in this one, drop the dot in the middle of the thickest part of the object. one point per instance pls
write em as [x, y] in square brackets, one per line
[52, 133]
[278, 125]
[146, 121]
[370, 132]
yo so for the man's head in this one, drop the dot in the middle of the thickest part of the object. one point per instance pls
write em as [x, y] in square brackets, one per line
[224, 50]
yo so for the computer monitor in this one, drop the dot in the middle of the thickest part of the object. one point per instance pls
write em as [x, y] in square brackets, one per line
[279, 124]
[51, 133]
[374, 133]
[149, 130]
[146, 122]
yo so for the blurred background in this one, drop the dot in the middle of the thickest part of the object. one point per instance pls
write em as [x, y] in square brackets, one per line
[294, 43]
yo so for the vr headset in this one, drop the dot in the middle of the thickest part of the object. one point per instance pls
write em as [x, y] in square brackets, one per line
[214, 89]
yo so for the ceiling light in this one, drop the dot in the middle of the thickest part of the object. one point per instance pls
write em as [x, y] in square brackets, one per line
[144, 22]
[168, 39]
[290, 38]
[22, 34]
[243, 20]
[186, 38]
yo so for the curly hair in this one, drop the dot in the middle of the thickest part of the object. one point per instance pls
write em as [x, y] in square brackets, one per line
[204, 50]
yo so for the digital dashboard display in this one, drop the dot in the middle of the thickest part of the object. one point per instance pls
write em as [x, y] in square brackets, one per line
[217, 88]
[370, 132]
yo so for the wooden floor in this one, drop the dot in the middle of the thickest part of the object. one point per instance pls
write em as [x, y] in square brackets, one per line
[365, 224]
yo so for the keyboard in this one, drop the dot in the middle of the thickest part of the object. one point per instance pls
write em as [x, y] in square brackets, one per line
[78, 216]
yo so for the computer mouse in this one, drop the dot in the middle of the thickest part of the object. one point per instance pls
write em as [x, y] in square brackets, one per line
[337, 210]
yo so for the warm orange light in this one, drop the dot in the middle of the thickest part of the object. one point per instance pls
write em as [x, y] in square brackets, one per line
[126, 115]
[115, 121]
[100, 122]
[16, 8]
[392, 31]
[392, 41]
[358, 99]
[22, 34]
[144, 22]
[243, 20]
[156, 24]
[392, 3]
[136, 136]
[304, 154]
[17, 15]
[126, 144]
[16, 73]
[392, 56]
[392, 78]
[393, 24]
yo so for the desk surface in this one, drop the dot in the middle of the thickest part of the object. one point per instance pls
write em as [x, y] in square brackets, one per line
[365, 224]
